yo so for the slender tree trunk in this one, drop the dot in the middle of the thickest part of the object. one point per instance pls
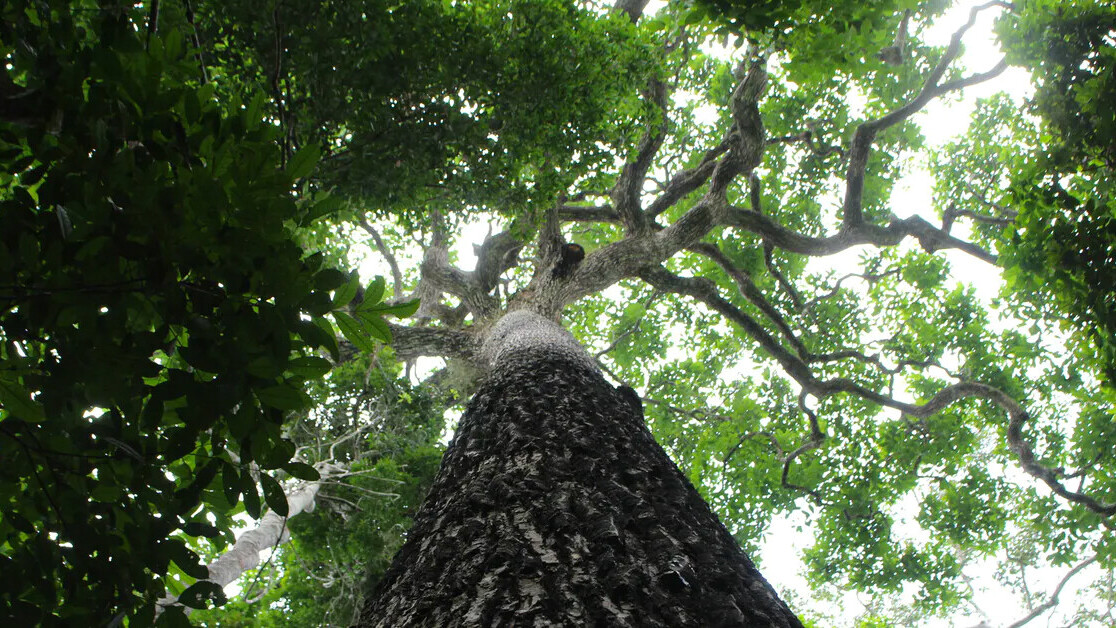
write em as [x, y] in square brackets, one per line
[555, 506]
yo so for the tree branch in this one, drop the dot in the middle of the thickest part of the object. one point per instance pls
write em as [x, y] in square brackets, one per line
[629, 185]
[930, 237]
[578, 213]
[1052, 601]
[495, 255]
[746, 140]
[687, 181]
[706, 292]
[634, 8]
[413, 342]
[865, 135]
[751, 292]
[385, 252]
[439, 276]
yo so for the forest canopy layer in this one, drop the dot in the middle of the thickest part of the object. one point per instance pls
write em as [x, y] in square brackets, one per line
[189, 187]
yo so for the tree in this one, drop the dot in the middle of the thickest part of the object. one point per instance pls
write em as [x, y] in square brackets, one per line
[868, 401]
[159, 317]
[672, 217]
[379, 435]
[555, 505]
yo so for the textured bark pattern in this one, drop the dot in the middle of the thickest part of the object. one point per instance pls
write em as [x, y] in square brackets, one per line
[555, 506]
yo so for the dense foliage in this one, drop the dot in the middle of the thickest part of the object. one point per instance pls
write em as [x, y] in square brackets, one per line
[386, 434]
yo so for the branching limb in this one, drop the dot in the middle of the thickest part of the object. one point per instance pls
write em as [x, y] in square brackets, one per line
[270, 531]
[389, 257]
[706, 292]
[444, 277]
[687, 181]
[439, 276]
[810, 139]
[816, 438]
[578, 213]
[629, 185]
[634, 8]
[930, 237]
[746, 140]
[751, 292]
[982, 198]
[549, 242]
[788, 287]
[495, 255]
[952, 214]
[870, 278]
[1052, 601]
[865, 135]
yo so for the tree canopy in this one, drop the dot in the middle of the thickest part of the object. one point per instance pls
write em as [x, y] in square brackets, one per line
[188, 188]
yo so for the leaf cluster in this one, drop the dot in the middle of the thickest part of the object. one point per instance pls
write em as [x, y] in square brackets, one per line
[158, 321]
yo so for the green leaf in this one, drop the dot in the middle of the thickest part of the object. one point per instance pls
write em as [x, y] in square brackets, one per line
[173, 617]
[251, 495]
[186, 559]
[264, 367]
[375, 291]
[273, 494]
[302, 471]
[201, 528]
[354, 331]
[201, 593]
[399, 310]
[283, 397]
[230, 481]
[329, 279]
[376, 326]
[309, 367]
[17, 401]
[303, 162]
[274, 453]
[320, 208]
[152, 414]
[318, 332]
[344, 295]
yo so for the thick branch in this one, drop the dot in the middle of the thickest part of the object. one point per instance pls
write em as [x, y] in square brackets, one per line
[270, 531]
[687, 181]
[866, 133]
[706, 292]
[634, 8]
[769, 262]
[578, 213]
[751, 292]
[439, 276]
[495, 255]
[629, 186]
[746, 140]
[929, 237]
[413, 342]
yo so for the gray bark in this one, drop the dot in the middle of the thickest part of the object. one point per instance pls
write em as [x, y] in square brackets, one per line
[555, 506]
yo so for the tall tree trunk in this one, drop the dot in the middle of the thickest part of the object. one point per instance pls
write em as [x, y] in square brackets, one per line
[555, 506]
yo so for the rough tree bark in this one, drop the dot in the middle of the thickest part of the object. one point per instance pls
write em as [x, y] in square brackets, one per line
[555, 506]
